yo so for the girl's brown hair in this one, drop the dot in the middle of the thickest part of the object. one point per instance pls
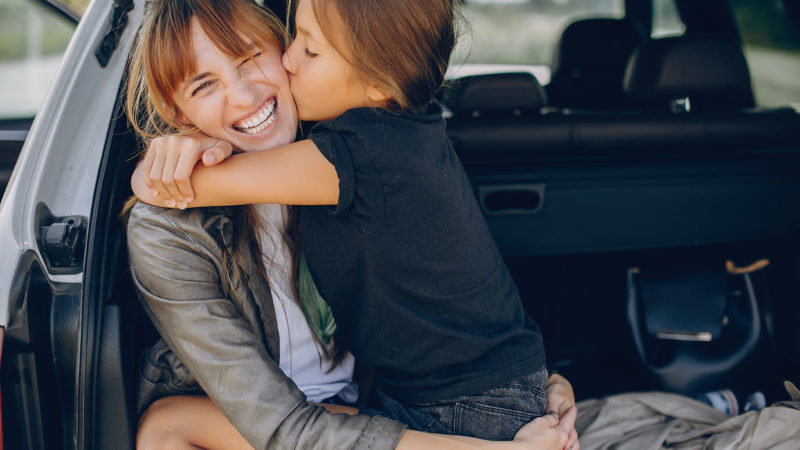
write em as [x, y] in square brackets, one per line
[402, 46]
[162, 57]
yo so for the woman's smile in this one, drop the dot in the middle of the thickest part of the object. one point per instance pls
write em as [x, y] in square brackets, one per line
[260, 121]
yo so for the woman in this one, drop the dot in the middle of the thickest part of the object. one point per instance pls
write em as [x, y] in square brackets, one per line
[207, 275]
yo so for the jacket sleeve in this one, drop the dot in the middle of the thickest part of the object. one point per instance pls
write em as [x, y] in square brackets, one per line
[175, 267]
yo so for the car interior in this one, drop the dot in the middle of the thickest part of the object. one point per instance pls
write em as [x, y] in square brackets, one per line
[645, 205]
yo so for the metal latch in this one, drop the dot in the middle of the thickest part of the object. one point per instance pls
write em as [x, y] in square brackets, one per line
[119, 21]
[62, 241]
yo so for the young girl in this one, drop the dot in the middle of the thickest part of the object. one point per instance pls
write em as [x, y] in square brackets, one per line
[415, 281]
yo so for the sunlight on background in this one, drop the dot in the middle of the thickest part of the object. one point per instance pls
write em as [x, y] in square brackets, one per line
[32, 41]
[499, 35]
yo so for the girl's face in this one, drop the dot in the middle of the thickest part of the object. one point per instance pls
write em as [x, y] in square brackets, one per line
[323, 83]
[245, 101]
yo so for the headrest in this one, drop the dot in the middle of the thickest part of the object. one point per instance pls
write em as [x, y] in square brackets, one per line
[596, 43]
[589, 63]
[494, 93]
[709, 70]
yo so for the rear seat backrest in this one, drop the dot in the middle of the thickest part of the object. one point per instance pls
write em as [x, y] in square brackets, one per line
[710, 70]
[511, 93]
[589, 64]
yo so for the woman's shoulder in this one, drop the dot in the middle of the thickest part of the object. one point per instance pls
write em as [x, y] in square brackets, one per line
[144, 212]
[148, 224]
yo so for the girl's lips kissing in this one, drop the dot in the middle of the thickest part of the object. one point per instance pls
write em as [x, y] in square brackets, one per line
[259, 121]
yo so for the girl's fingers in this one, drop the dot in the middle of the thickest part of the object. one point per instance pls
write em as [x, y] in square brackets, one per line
[183, 173]
[572, 442]
[219, 152]
[170, 160]
[567, 420]
[146, 164]
[174, 196]
[154, 175]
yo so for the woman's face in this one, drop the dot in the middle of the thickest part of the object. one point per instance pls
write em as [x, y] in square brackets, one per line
[245, 101]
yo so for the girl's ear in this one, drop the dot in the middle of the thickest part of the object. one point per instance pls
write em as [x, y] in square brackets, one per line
[377, 95]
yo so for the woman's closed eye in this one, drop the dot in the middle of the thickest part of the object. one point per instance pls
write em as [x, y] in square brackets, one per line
[201, 87]
[309, 53]
[249, 59]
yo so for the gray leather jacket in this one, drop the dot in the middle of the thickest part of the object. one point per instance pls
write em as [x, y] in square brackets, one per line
[217, 316]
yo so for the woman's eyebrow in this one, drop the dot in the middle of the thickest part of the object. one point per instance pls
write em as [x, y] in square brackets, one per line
[197, 78]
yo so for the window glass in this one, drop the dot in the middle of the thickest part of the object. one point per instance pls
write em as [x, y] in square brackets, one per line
[666, 20]
[32, 40]
[522, 31]
[772, 47]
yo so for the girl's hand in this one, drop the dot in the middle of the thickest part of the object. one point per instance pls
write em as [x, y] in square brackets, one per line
[168, 165]
[548, 432]
[561, 397]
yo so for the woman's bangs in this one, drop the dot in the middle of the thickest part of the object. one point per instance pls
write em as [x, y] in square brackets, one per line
[235, 31]
[170, 62]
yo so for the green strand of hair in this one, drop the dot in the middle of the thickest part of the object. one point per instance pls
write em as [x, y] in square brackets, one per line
[318, 314]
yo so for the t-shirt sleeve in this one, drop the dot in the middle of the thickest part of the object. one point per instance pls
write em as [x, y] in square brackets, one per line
[353, 146]
[334, 147]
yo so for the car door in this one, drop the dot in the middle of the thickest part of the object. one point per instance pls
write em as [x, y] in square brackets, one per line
[49, 313]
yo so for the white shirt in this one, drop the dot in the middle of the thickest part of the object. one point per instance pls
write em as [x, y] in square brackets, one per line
[302, 359]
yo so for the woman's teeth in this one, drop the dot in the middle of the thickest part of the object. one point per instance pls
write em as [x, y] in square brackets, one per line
[260, 121]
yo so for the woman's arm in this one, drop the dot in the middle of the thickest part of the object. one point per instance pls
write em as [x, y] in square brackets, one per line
[295, 174]
[177, 272]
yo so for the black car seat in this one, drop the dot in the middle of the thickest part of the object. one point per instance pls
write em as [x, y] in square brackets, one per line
[709, 70]
[589, 64]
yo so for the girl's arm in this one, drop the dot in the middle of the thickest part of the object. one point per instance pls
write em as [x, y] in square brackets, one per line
[295, 174]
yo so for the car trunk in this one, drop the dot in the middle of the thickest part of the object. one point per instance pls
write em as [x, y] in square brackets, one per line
[575, 221]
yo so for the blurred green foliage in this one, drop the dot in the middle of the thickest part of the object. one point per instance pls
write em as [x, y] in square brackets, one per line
[27, 27]
[79, 5]
[764, 23]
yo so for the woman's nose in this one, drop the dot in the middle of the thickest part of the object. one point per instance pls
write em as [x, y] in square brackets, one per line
[240, 93]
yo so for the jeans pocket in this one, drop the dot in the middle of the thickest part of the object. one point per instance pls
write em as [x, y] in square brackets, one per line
[489, 422]
[498, 413]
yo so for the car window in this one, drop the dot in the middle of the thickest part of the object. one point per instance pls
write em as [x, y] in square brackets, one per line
[772, 47]
[522, 31]
[33, 38]
[666, 20]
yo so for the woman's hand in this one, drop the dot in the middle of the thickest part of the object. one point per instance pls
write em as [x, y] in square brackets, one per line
[163, 176]
[548, 432]
[560, 398]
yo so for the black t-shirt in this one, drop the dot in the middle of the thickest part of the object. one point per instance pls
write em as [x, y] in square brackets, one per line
[415, 281]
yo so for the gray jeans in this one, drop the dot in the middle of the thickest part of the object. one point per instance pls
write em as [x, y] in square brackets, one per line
[496, 414]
